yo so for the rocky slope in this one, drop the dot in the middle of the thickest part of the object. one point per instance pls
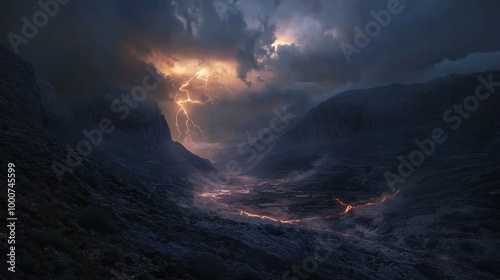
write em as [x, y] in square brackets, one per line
[385, 121]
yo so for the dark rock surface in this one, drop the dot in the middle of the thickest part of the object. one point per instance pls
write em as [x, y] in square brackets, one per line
[18, 79]
[143, 131]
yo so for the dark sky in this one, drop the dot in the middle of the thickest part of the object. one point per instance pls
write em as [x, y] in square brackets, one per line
[256, 54]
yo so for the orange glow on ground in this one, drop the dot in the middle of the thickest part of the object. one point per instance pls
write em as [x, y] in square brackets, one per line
[216, 196]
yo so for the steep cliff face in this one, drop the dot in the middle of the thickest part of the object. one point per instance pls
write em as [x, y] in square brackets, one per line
[20, 94]
[59, 116]
[139, 129]
[144, 128]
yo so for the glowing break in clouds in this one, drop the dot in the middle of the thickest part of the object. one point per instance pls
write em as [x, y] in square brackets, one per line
[198, 82]
[184, 98]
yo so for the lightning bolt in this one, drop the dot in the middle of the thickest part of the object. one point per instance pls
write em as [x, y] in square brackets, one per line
[183, 98]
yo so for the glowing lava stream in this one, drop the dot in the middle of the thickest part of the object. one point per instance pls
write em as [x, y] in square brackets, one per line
[348, 208]
[183, 101]
[248, 214]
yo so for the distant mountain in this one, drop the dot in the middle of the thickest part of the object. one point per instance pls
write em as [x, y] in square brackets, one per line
[386, 121]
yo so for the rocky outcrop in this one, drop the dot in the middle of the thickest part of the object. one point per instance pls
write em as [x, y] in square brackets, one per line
[59, 116]
[19, 91]
[143, 130]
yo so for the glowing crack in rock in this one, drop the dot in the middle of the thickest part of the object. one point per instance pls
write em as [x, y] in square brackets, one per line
[303, 221]
[306, 222]
[269, 218]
